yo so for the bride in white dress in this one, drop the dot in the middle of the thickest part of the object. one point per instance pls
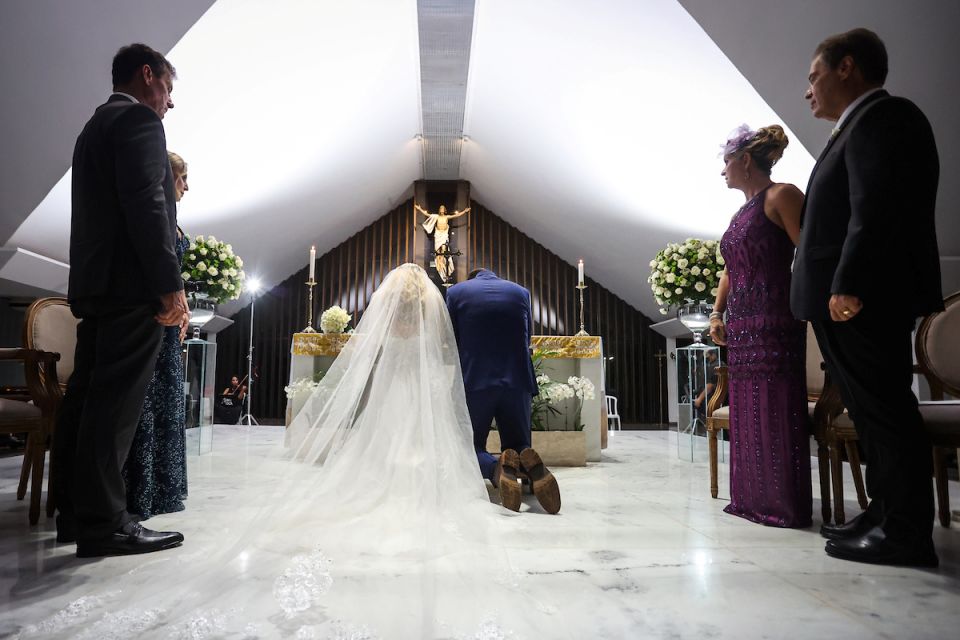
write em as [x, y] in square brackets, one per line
[376, 523]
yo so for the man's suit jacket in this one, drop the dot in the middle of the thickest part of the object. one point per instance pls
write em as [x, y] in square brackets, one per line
[492, 319]
[867, 226]
[124, 218]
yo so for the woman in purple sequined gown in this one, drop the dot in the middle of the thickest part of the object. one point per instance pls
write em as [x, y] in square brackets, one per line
[769, 434]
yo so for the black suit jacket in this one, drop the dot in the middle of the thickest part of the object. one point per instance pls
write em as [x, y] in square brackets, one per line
[124, 216]
[867, 226]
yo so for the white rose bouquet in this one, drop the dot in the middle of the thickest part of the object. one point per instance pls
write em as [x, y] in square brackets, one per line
[212, 268]
[334, 320]
[686, 272]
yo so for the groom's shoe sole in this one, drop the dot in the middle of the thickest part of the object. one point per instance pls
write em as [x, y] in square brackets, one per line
[545, 486]
[507, 481]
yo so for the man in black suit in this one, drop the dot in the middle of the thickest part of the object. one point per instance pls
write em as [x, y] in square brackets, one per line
[125, 284]
[866, 267]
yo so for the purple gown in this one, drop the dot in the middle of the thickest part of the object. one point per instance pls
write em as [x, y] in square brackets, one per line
[769, 433]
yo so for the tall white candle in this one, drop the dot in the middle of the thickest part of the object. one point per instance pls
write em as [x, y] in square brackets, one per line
[313, 261]
[580, 272]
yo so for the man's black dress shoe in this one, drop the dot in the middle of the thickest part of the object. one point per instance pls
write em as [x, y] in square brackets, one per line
[129, 539]
[852, 529]
[875, 547]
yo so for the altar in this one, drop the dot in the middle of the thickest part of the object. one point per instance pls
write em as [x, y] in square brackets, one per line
[311, 355]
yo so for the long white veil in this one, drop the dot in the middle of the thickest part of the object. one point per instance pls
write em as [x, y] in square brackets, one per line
[375, 522]
[389, 422]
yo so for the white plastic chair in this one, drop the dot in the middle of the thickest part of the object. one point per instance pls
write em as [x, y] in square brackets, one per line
[612, 415]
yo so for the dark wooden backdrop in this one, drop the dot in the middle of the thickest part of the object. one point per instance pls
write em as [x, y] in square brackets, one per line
[348, 274]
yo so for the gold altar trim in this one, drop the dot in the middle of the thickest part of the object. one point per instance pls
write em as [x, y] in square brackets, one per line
[568, 346]
[318, 344]
[330, 344]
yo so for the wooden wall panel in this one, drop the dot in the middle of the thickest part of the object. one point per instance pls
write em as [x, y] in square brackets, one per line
[348, 274]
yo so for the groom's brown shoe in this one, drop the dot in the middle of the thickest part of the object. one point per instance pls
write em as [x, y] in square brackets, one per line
[545, 486]
[506, 476]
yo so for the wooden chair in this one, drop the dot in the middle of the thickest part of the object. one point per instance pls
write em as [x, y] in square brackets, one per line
[823, 405]
[18, 416]
[938, 359]
[49, 337]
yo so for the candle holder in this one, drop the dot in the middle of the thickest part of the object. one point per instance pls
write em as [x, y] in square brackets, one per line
[311, 283]
[582, 332]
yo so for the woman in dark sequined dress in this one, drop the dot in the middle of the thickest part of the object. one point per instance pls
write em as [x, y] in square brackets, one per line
[156, 469]
[769, 435]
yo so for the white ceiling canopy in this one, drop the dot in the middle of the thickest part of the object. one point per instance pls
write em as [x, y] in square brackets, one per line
[597, 131]
[297, 120]
[593, 127]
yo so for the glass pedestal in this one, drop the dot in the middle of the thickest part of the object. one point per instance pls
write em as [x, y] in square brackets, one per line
[696, 380]
[200, 364]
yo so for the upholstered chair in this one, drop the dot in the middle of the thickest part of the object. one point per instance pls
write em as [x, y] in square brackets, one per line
[49, 339]
[938, 359]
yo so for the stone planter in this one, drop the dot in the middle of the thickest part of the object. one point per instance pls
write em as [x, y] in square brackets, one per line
[557, 448]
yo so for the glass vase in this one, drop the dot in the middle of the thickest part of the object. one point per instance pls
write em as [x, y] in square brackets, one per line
[695, 316]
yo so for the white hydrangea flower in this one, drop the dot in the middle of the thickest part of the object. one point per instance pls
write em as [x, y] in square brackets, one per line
[201, 266]
[334, 320]
[203, 251]
[706, 272]
[239, 262]
[700, 286]
[694, 270]
[199, 239]
[682, 263]
[678, 291]
[671, 278]
[713, 291]
[211, 241]
[663, 312]
[212, 271]
[222, 256]
[185, 275]
[667, 294]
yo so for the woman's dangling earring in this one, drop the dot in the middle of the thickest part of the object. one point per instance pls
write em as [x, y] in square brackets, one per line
[748, 174]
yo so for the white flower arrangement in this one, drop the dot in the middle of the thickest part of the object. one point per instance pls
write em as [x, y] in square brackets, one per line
[213, 269]
[686, 272]
[582, 387]
[334, 320]
[552, 393]
[303, 385]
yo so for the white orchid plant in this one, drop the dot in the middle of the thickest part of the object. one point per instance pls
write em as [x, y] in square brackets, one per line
[686, 272]
[553, 393]
[213, 269]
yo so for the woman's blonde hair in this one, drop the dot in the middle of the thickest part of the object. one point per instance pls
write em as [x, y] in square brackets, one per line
[177, 163]
[766, 147]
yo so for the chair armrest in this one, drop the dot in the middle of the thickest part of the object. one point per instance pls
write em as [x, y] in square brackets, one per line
[720, 392]
[40, 371]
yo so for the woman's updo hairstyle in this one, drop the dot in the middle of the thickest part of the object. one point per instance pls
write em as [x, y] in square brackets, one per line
[766, 147]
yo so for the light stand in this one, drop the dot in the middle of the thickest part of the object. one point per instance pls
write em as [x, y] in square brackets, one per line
[250, 420]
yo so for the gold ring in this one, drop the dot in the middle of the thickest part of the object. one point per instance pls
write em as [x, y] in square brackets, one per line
[846, 312]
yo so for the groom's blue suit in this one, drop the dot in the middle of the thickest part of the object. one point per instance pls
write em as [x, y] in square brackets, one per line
[492, 321]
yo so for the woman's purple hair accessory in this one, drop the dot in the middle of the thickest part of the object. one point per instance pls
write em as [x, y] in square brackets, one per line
[737, 139]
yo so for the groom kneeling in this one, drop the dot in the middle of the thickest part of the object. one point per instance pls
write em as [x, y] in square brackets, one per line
[492, 321]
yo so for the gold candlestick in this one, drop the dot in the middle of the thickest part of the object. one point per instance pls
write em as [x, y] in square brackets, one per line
[582, 332]
[311, 283]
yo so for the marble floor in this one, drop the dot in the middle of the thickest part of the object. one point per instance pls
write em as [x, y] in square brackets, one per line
[639, 550]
